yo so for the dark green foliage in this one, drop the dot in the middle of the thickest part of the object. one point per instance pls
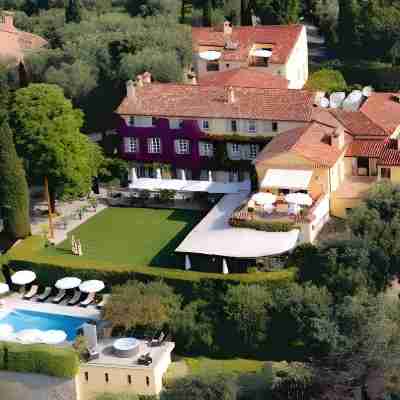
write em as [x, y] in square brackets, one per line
[40, 359]
[262, 225]
[73, 12]
[146, 8]
[201, 388]
[277, 11]
[14, 193]
[327, 80]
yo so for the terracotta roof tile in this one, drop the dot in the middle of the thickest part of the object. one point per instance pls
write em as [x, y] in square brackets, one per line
[310, 142]
[282, 37]
[197, 101]
[365, 148]
[244, 77]
[383, 110]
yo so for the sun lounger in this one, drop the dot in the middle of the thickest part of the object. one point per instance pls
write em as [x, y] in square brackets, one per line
[74, 300]
[60, 296]
[157, 342]
[32, 292]
[104, 301]
[45, 295]
[89, 300]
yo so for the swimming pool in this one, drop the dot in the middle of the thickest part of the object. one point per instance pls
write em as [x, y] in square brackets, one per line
[26, 319]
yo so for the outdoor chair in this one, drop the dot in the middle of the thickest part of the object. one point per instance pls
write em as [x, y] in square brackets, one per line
[60, 296]
[104, 301]
[31, 293]
[89, 300]
[157, 342]
[45, 295]
[74, 300]
[93, 353]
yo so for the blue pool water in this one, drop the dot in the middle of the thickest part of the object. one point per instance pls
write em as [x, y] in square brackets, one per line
[25, 319]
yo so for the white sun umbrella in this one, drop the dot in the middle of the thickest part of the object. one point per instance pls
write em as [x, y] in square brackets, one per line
[23, 277]
[70, 282]
[264, 198]
[158, 173]
[210, 55]
[92, 286]
[225, 269]
[299, 198]
[54, 337]
[210, 177]
[29, 336]
[6, 331]
[4, 288]
[263, 53]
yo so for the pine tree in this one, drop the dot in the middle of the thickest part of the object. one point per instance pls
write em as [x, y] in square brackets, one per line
[348, 26]
[207, 12]
[73, 12]
[14, 193]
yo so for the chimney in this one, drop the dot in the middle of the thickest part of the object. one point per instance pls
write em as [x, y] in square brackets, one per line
[227, 28]
[130, 90]
[139, 81]
[231, 95]
[146, 77]
[7, 19]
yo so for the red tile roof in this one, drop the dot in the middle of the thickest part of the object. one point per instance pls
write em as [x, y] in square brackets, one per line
[282, 37]
[310, 142]
[383, 110]
[365, 148]
[244, 77]
[358, 124]
[389, 158]
[197, 101]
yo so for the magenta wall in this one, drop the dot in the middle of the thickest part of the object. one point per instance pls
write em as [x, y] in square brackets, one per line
[190, 131]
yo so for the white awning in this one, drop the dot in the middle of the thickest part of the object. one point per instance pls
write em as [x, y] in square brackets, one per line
[263, 53]
[210, 55]
[287, 179]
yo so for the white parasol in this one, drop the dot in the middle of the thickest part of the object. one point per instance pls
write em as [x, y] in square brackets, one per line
[4, 288]
[264, 198]
[92, 286]
[28, 336]
[54, 337]
[261, 53]
[23, 277]
[6, 331]
[299, 198]
[69, 282]
[210, 55]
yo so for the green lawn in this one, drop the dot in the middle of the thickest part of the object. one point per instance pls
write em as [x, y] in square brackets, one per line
[135, 236]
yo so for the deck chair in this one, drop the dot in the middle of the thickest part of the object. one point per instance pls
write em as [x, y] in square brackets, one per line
[60, 296]
[74, 300]
[104, 301]
[31, 293]
[157, 342]
[45, 295]
[89, 300]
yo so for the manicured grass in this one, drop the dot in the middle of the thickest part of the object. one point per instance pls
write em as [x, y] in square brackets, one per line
[135, 236]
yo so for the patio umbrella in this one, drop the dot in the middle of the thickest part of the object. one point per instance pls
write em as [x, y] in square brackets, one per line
[23, 277]
[299, 198]
[263, 53]
[6, 331]
[54, 337]
[4, 288]
[188, 264]
[225, 269]
[134, 174]
[29, 336]
[69, 282]
[92, 286]
[158, 173]
[183, 177]
[210, 55]
[264, 198]
[210, 177]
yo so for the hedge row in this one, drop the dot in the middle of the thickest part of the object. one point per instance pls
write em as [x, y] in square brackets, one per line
[265, 226]
[26, 255]
[39, 359]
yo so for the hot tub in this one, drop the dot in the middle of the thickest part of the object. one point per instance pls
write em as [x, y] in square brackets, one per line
[126, 347]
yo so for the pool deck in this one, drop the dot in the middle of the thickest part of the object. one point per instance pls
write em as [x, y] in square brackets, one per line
[14, 301]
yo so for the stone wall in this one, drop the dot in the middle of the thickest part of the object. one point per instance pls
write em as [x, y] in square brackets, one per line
[17, 386]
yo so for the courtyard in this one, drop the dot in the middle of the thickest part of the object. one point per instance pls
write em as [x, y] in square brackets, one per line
[133, 236]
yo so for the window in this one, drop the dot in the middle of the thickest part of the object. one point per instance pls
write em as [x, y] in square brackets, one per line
[154, 145]
[227, 65]
[253, 151]
[182, 146]
[106, 377]
[235, 148]
[385, 173]
[275, 127]
[212, 66]
[205, 124]
[131, 145]
[176, 123]
[130, 379]
[234, 125]
[252, 126]
[87, 376]
[144, 122]
[206, 149]
[131, 121]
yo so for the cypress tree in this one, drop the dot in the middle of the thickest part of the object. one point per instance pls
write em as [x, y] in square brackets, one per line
[14, 193]
[348, 26]
[73, 12]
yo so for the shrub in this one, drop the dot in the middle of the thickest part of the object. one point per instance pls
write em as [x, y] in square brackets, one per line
[41, 359]
[262, 225]
[327, 80]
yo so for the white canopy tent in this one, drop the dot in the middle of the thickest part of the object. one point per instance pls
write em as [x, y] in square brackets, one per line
[264, 198]
[210, 55]
[69, 282]
[181, 185]
[54, 337]
[287, 179]
[23, 277]
[299, 198]
[92, 286]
